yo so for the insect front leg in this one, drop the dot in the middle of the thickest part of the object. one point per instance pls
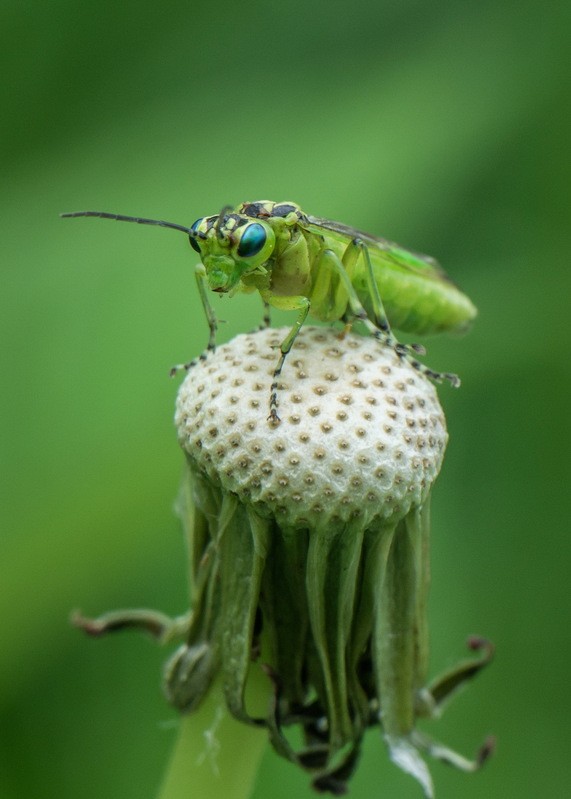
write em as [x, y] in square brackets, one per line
[200, 275]
[295, 303]
[266, 321]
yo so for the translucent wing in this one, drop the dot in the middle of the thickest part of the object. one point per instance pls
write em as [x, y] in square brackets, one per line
[382, 249]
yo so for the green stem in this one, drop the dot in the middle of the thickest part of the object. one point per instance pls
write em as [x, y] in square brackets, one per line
[215, 755]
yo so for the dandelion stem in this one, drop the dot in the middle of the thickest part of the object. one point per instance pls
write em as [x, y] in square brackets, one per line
[214, 754]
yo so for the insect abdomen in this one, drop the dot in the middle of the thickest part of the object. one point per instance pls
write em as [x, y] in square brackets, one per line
[415, 303]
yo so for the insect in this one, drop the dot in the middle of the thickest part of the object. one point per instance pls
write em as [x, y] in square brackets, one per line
[310, 265]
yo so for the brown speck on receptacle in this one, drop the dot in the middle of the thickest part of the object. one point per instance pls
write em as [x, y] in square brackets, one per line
[314, 411]
[342, 416]
[319, 390]
[296, 398]
[319, 453]
[346, 399]
[326, 427]
[295, 418]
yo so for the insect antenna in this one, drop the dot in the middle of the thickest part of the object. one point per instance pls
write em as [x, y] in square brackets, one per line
[121, 218]
[220, 220]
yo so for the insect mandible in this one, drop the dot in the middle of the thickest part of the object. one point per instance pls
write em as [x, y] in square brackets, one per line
[311, 265]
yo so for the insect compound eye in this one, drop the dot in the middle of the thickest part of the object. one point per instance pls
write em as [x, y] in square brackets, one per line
[192, 235]
[252, 240]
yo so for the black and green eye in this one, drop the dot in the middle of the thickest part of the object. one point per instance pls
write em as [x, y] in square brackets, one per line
[193, 234]
[252, 240]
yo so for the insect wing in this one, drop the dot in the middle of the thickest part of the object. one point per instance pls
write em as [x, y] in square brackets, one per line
[382, 249]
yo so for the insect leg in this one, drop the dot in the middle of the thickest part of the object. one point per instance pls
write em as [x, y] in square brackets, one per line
[330, 260]
[200, 275]
[295, 303]
[358, 247]
[266, 321]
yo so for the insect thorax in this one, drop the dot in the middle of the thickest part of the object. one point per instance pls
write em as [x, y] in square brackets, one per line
[266, 209]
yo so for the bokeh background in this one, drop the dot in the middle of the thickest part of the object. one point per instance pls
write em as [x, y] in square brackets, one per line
[442, 125]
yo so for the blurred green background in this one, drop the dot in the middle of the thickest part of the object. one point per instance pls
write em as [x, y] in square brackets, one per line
[442, 125]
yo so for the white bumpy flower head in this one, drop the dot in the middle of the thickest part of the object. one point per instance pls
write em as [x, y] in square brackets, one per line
[362, 434]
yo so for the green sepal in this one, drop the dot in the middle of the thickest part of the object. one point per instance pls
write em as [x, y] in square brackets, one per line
[283, 603]
[332, 565]
[243, 548]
